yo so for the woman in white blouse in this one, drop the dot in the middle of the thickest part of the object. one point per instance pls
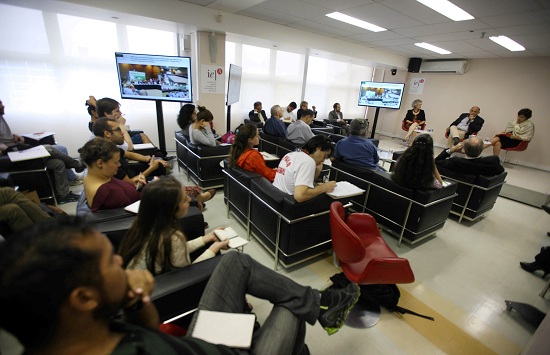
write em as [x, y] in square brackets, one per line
[155, 241]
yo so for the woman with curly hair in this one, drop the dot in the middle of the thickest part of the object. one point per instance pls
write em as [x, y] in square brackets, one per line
[155, 240]
[416, 167]
[243, 154]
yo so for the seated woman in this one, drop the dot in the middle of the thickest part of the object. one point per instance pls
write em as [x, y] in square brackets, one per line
[155, 241]
[415, 118]
[186, 117]
[515, 132]
[200, 131]
[416, 168]
[243, 154]
[102, 190]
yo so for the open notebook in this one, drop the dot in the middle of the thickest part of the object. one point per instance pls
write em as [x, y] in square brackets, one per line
[229, 233]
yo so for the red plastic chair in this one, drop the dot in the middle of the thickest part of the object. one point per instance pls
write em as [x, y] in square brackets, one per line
[518, 148]
[365, 258]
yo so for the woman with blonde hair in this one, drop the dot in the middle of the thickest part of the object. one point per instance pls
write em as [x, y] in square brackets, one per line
[415, 118]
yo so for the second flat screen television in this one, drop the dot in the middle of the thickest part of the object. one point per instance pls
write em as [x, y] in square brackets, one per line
[383, 95]
[154, 77]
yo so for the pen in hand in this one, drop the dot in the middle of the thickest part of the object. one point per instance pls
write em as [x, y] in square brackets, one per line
[139, 183]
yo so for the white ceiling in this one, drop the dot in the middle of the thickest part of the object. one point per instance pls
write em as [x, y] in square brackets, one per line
[408, 22]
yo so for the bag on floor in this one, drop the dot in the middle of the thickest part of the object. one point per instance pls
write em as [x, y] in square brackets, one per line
[386, 296]
[228, 137]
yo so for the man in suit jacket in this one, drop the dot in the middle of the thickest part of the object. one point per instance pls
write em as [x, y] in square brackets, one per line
[472, 164]
[258, 115]
[464, 126]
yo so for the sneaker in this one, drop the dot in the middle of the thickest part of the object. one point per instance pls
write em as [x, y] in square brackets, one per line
[70, 197]
[76, 182]
[81, 167]
[335, 306]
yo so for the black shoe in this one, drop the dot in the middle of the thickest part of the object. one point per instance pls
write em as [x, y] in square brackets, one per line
[455, 141]
[335, 305]
[532, 267]
[546, 208]
[81, 167]
[70, 197]
[548, 234]
[169, 157]
[205, 225]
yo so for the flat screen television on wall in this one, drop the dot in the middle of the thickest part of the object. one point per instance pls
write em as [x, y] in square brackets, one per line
[154, 77]
[234, 84]
[383, 95]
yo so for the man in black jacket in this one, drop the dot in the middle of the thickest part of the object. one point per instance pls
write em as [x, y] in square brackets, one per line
[472, 164]
[258, 115]
[464, 126]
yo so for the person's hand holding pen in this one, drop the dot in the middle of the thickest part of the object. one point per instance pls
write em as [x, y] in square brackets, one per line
[139, 181]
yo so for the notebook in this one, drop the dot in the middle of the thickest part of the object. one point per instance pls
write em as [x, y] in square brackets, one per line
[345, 189]
[230, 329]
[229, 233]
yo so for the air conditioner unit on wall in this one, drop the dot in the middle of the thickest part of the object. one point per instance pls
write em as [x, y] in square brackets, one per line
[457, 66]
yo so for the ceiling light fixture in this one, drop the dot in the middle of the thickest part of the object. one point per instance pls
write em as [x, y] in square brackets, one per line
[432, 48]
[447, 9]
[355, 22]
[507, 43]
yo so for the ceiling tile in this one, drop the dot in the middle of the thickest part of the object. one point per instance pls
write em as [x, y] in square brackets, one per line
[482, 8]
[269, 16]
[518, 19]
[315, 27]
[382, 16]
[340, 4]
[295, 8]
[415, 10]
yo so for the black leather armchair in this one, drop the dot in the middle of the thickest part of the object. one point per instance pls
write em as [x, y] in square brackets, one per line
[31, 175]
[202, 163]
[477, 194]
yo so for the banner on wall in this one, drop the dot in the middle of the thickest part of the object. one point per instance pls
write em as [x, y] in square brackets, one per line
[416, 86]
[212, 79]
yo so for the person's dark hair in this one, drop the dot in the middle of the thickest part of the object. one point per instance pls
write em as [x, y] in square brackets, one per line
[240, 142]
[257, 104]
[473, 147]
[358, 127]
[97, 148]
[185, 116]
[90, 108]
[39, 268]
[292, 104]
[335, 104]
[106, 105]
[319, 141]
[307, 112]
[525, 112]
[154, 225]
[415, 168]
[100, 126]
[204, 114]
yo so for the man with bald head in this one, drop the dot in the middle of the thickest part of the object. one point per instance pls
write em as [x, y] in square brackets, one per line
[464, 126]
[473, 163]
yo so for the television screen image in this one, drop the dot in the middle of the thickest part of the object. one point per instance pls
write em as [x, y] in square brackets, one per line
[383, 95]
[154, 77]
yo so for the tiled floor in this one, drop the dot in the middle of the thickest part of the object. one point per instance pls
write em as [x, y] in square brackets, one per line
[463, 275]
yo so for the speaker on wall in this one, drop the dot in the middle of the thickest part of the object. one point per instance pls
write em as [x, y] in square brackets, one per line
[414, 65]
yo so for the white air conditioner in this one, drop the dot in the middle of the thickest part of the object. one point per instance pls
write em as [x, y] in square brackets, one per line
[444, 66]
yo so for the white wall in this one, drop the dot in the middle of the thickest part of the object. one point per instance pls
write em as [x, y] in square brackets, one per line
[500, 87]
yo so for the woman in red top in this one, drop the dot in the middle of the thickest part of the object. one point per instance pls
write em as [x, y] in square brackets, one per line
[244, 156]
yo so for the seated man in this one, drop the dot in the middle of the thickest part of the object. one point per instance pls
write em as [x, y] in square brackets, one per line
[57, 162]
[17, 211]
[274, 125]
[336, 118]
[298, 171]
[288, 114]
[299, 132]
[473, 164]
[357, 149]
[303, 106]
[108, 129]
[258, 115]
[464, 126]
[79, 316]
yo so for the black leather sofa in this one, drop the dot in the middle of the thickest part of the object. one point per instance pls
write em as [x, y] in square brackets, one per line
[411, 215]
[477, 194]
[292, 232]
[31, 175]
[201, 163]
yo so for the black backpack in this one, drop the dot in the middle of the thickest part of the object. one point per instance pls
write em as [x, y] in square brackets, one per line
[386, 296]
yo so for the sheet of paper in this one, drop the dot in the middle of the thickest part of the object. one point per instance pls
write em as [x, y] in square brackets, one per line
[345, 189]
[28, 154]
[230, 329]
[267, 156]
[143, 146]
[134, 207]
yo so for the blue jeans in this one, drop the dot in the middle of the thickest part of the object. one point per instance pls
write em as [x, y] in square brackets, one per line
[283, 332]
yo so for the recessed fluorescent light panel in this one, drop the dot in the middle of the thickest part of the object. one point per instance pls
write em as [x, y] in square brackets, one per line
[432, 48]
[447, 9]
[355, 22]
[507, 43]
